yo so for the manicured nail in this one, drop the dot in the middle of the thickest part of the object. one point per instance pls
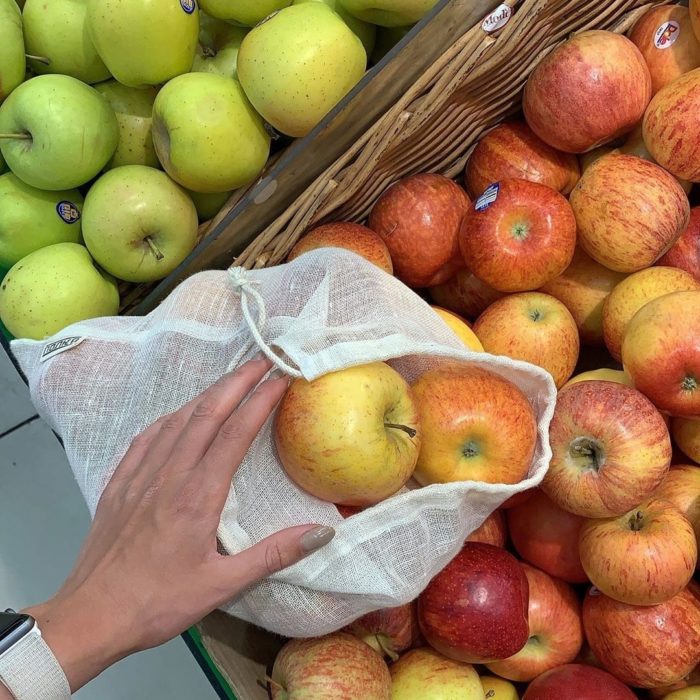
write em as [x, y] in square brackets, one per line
[316, 538]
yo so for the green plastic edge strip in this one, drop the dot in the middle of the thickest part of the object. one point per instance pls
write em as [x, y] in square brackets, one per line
[196, 639]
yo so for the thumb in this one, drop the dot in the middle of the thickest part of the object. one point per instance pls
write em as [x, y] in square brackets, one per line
[273, 554]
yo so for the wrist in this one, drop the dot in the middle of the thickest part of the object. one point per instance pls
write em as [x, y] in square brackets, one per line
[84, 640]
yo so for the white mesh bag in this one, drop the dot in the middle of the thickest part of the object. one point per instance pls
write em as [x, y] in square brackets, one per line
[325, 311]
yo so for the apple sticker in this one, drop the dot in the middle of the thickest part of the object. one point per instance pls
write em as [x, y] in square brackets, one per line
[489, 196]
[667, 35]
[68, 211]
[188, 6]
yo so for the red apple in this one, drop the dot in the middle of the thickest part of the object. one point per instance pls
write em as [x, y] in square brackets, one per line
[389, 631]
[643, 557]
[629, 212]
[686, 433]
[583, 288]
[671, 123]
[577, 682]
[512, 150]
[464, 294]
[661, 352]
[492, 531]
[587, 92]
[518, 236]
[681, 487]
[685, 253]
[418, 218]
[343, 234]
[519, 498]
[610, 449]
[644, 646]
[327, 668]
[556, 635]
[533, 327]
[665, 37]
[475, 609]
[547, 536]
[348, 511]
[476, 426]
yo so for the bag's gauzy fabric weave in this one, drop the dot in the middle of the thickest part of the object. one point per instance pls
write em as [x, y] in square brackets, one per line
[327, 310]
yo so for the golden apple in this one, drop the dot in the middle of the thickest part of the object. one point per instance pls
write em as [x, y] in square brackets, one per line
[603, 374]
[349, 437]
[686, 433]
[498, 689]
[461, 328]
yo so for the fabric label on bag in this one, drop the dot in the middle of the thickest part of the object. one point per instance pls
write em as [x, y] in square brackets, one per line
[59, 346]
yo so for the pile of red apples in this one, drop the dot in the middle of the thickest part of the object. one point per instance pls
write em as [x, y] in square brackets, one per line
[571, 242]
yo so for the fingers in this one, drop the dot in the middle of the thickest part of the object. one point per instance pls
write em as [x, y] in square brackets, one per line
[277, 552]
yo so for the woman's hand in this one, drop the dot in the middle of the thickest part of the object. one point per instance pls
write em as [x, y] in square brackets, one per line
[150, 567]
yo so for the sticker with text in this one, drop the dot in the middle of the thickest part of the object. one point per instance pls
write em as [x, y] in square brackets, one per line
[488, 198]
[498, 18]
[68, 211]
[188, 6]
[56, 347]
[667, 35]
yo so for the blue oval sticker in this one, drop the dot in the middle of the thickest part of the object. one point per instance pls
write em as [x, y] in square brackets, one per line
[68, 211]
[188, 6]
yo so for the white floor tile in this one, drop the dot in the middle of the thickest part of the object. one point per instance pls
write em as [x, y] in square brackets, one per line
[43, 520]
[15, 405]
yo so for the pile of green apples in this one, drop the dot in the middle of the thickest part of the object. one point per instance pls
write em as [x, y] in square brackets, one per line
[124, 124]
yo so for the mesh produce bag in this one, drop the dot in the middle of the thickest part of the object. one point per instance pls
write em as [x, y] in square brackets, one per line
[327, 310]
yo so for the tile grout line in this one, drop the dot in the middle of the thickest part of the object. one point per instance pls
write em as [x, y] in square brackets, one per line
[29, 420]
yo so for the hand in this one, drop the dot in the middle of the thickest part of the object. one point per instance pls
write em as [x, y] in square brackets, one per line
[149, 567]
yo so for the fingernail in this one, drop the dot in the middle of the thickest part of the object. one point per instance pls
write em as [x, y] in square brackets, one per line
[276, 374]
[316, 538]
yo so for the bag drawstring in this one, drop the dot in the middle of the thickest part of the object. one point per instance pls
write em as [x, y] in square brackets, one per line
[245, 287]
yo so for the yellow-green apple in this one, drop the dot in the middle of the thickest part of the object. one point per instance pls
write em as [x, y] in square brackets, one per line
[475, 609]
[419, 218]
[298, 64]
[518, 235]
[686, 434]
[245, 12]
[583, 288]
[690, 693]
[685, 253]
[681, 487]
[144, 43]
[605, 374]
[134, 110]
[217, 50]
[53, 287]
[644, 646]
[344, 234]
[335, 666]
[587, 92]
[365, 31]
[577, 682]
[634, 292]
[691, 680]
[512, 150]
[546, 536]
[554, 623]
[476, 425]
[629, 212]
[56, 32]
[423, 673]
[643, 557]
[498, 689]
[208, 204]
[661, 352]
[665, 37]
[533, 327]
[492, 531]
[388, 13]
[350, 437]
[138, 224]
[56, 132]
[670, 116]
[387, 38]
[213, 150]
[389, 631]
[12, 61]
[31, 219]
[461, 328]
[610, 449]
[464, 294]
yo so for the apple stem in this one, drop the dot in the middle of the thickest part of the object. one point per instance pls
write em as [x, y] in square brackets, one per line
[411, 432]
[387, 648]
[41, 59]
[16, 136]
[154, 248]
[689, 384]
[274, 684]
[490, 694]
[636, 521]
